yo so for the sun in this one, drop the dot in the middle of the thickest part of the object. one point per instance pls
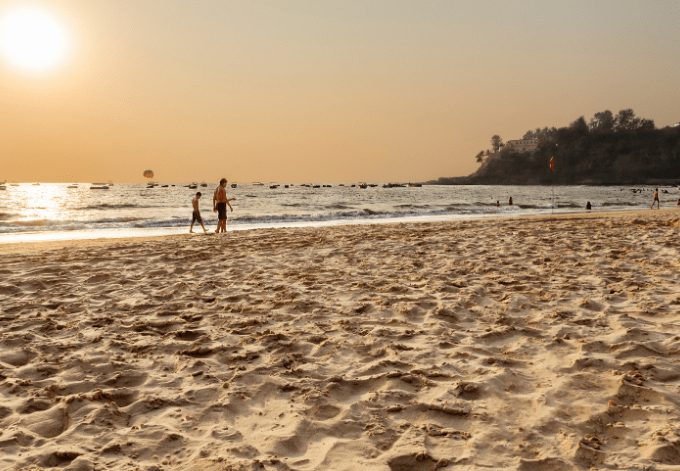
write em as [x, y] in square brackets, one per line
[32, 40]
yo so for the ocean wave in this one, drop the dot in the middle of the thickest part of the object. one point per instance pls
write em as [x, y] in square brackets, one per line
[620, 203]
[116, 220]
[51, 224]
[31, 222]
[117, 206]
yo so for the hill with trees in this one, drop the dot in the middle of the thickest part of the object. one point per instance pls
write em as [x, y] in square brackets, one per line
[608, 149]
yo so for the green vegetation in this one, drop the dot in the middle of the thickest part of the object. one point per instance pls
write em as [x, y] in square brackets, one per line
[609, 149]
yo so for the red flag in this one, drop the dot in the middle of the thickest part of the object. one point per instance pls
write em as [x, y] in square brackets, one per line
[552, 164]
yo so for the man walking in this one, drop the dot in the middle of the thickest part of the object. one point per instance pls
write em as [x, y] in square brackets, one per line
[656, 200]
[220, 203]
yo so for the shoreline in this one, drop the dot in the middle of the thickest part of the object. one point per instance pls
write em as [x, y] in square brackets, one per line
[64, 238]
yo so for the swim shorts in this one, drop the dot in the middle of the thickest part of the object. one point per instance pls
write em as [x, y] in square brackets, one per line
[196, 217]
[221, 211]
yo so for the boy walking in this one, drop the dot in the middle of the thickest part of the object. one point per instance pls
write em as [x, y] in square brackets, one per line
[196, 215]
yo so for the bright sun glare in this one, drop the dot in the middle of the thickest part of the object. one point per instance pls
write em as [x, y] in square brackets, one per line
[32, 40]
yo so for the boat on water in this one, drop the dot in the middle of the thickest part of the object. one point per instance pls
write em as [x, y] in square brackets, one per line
[72, 186]
[99, 186]
[363, 186]
[2, 187]
[234, 185]
[204, 185]
[258, 184]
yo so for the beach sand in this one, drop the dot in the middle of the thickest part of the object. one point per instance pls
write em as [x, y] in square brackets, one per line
[521, 343]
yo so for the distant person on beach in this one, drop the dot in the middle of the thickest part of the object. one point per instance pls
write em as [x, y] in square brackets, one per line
[510, 201]
[220, 203]
[498, 204]
[196, 215]
[589, 206]
[656, 200]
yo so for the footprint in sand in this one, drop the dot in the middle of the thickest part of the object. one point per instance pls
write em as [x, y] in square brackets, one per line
[48, 423]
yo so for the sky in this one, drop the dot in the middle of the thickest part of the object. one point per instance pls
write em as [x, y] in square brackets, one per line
[323, 91]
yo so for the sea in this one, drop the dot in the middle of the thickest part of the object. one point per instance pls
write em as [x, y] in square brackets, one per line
[53, 211]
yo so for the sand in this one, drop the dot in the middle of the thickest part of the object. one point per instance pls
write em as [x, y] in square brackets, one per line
[528, 343]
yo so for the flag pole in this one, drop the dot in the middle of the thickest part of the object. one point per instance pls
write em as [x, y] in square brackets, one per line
[551, 166]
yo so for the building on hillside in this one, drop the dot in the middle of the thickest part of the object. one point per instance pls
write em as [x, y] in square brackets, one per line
[522, 145]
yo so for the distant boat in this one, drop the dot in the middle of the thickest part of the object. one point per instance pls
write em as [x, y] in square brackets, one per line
[273, 187]
[3, 187]
[98, 187]
[204, 185]
[415, 185]
[72, 186]
[234, 185]
[258, 184]
[363, 186]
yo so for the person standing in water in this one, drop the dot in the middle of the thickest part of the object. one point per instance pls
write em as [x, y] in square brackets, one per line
[220, 203]
[196, 215]
[656, 199]
[510, 201]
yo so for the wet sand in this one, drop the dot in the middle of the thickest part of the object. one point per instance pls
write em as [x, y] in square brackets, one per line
[531, 343]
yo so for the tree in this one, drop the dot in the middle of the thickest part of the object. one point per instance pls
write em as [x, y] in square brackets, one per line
[602, 121]
[496, 142]
[626, 120]
[480, 157]
[579, 126]
[646, 124]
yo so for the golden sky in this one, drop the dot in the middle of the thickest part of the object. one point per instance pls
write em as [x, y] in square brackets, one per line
[327, 91]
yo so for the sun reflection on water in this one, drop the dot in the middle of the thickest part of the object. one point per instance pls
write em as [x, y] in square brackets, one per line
[41, 203]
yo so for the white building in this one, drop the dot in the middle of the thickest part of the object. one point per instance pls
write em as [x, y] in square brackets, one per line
[522, 145]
